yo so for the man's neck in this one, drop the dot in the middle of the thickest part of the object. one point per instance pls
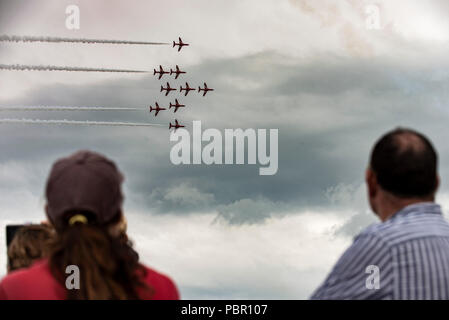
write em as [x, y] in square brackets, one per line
[394, 204]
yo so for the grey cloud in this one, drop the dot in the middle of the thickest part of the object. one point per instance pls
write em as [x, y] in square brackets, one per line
[181, 198]
[255, 211]
[356, 223]
[351, 201]
[326, 129]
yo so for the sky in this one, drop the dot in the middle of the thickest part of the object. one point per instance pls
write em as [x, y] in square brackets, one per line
[318, 71]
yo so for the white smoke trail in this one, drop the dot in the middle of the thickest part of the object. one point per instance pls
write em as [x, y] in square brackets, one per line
[64, 108]
[6, 38]
[20, 67]
[78, 122]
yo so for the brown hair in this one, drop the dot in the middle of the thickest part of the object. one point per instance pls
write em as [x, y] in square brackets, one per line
[30, 243]
[108, 265]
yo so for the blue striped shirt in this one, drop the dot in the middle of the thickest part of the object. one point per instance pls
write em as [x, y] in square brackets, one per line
[405, 257]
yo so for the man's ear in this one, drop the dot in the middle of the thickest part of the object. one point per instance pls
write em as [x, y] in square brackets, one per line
[371, 183]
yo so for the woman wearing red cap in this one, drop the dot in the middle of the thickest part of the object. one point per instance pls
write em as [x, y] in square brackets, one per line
[84, 204]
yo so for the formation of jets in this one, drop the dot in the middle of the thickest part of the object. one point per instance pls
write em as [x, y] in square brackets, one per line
[186, 89]
[175, 105]
[161, 72]
[177, 72]
[180, 44]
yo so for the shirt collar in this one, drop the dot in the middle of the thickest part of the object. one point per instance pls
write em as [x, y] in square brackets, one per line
[421, 207]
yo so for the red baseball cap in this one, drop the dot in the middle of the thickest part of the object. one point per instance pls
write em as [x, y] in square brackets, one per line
[84, 181]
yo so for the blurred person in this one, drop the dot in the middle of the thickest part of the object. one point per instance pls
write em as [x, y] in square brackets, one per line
[84, 204]
[406, 255]
[30, 243]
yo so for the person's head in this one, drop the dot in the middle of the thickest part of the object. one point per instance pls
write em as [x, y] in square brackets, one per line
[84, 204]
[30, 243]
[402, 171]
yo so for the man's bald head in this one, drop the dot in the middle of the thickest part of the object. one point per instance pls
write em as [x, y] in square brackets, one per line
[405, 164]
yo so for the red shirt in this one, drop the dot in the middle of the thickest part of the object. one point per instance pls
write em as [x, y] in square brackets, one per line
[37, 283]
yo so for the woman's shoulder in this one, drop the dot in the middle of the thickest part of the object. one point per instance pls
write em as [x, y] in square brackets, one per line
[161, 285]
[35, 282]
[37, 269]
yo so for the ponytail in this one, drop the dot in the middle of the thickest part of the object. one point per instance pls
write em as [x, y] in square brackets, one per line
[109, 267]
